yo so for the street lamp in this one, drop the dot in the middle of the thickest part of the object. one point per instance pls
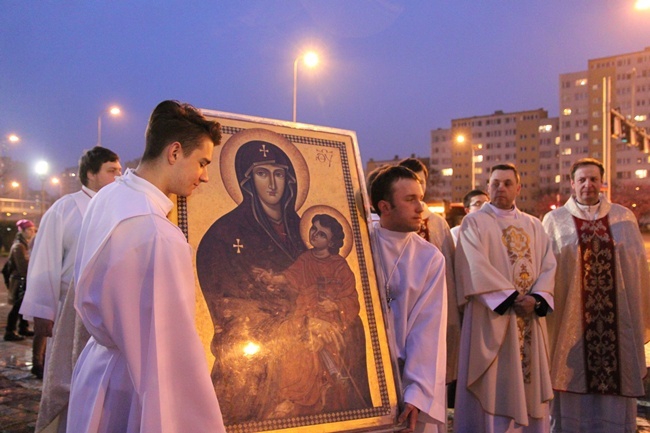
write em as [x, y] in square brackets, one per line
[460, 139]
[310, 59]
[642, 5]
[16, 185]
[56, 182]
[42, 168]
[4, 145]
[113, 111]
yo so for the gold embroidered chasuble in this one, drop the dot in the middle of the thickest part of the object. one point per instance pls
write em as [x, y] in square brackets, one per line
[602, 297]
[508, 359]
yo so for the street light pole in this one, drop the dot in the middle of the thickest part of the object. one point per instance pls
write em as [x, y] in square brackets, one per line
[310, 59]
[460, 139]
[473, 168]
[113, 111]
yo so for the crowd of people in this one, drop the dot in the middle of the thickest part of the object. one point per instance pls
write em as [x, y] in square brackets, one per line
[519, 324]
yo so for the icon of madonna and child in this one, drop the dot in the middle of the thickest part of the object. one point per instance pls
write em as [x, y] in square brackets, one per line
[288, 339]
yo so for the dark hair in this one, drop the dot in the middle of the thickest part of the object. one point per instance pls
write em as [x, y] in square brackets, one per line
[172, 121]
[382, 187]
[507, 166]
[331, 223]
[587, 161]
[415, 165]
[473, 193]
[372, 175]
[92, 161]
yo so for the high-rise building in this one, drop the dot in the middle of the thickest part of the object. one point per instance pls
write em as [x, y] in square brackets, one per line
[544, 148]
[462, 156]
[585, 101]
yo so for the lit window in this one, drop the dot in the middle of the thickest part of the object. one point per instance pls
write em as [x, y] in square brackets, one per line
[567, 112]
[447, 171]
[581, 82]
[577, 136]
[640, 117]
[557, 178]
[566, 151]
[478, 158]
[545, 128]
[641, 174]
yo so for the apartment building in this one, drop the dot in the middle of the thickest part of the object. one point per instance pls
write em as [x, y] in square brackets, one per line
[462, 156]
[585, 101]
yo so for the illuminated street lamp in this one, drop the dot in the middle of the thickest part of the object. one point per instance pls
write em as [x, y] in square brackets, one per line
[113, 111]
[310, 59]
[4, 145]
[16, 185]
[460, 139]
[42, 168]
[642, 5]
[55, 181]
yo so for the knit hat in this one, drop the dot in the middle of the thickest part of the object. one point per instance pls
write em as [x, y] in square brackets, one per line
[24, 224]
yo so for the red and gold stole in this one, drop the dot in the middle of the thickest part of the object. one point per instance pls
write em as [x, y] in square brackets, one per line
[598, 270]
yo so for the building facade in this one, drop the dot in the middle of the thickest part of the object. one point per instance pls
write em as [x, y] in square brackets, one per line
[620, 82]
[464, 154]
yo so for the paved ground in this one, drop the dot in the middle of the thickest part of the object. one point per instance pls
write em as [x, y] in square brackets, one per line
[20, 391]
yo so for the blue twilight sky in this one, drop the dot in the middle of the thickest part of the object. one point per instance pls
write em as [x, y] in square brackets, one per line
[390, 70]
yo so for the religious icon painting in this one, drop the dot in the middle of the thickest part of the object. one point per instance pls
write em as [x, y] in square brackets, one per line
[287, 304]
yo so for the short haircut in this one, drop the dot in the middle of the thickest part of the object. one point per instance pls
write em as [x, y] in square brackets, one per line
[473, 193]
[173, 121]
[382, 187]
[331, 223]
[415, 165]
[507, 166]
[587, 161]
[92, 161]
[372, 175]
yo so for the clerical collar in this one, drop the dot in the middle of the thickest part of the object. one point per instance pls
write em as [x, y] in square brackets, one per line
[504, 213]
[590, 211]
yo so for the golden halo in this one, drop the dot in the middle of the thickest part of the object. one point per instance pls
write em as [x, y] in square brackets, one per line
[305, 225]
[230, 148]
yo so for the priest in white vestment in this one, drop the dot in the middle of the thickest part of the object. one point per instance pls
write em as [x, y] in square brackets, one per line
[412, 275]
[144, 368]
[602, 309]
[505, 272]
[49, 275]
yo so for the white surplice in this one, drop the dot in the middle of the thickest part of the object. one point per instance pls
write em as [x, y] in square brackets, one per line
[51, 269]
[144, 368]
[575, 408]
[497, 254]
[51, 266]
[414, 274]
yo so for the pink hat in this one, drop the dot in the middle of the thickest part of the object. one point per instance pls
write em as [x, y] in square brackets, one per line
[24, 224]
